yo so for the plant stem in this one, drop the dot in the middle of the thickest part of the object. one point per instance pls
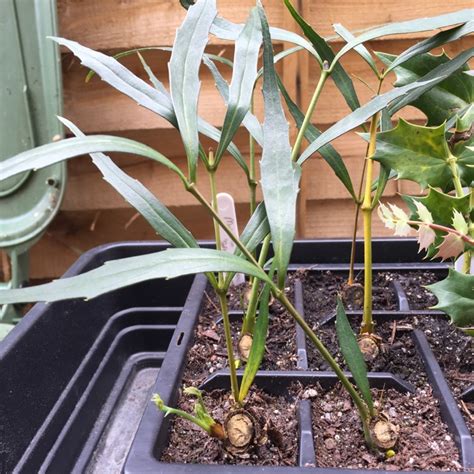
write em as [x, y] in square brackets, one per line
[307, 118]
[452, 160]
[234, 383]
[249, 318]
[191, 188]
[252, 181]
[468, 254]
[361, 406]
[367, 326]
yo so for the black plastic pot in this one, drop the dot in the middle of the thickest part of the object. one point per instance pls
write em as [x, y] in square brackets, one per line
[77, 376]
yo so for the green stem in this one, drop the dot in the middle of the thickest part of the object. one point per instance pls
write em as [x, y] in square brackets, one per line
[367, 326]
[361, 406]
[452, 161]
[248, 323]
[229, 344]
[307, 118]
[469, 254]
[252, 173]
[191, 188]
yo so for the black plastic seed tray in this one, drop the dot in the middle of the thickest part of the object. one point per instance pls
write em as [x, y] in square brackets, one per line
[77, 376]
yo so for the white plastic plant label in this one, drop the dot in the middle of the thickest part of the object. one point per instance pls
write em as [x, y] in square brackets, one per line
[458, 265]
[226, 208]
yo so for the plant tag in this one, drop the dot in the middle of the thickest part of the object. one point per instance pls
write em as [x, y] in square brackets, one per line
[226, 208]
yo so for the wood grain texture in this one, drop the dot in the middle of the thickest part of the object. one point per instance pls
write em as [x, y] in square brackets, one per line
[135, 23]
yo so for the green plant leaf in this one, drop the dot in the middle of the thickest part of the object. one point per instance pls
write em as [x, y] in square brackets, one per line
[250, 122]
[328, 152]
[51, 153]
[256, 230]
[410, 26]
[352, 355]
[226, 30]
[359, 116]
[420, 154]
[119, 77]
[157, 84]
[363, 52]
[114, 274]
[257, 350]
[151, 208]
[247, 47]
[338, 74]
[428, 44]
[188, 48]
[279, 175]
[456, 298]
[448, 96]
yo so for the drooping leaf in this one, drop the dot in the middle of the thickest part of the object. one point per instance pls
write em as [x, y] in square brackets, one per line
[279, 175]
[124, 272]
[191, 39]
[119, 77]
[51, 153]
[395, 219]
[449, 96]
[350, 349]
[359, 117]
[338, 74]
[150, 207]
[456, 298]
[244, 73]
[257, 350]
[426, 237]
[410, 26]
[363, 52]
[420, 154]
[443, 37]
[328, 152]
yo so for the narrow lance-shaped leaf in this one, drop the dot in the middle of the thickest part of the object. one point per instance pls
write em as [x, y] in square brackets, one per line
[280, 176]
[435, 41]
[352, 354]
[250, 122]
[244, 73]
[452, 91]
[119, 77]
[51, 153]
[188, 48]
[363, 52]
[328, 152]
[257, 350]
[256, 230]
[226, 30]
[456, 298]
[151, 208]
[124, 272]
[410, 26]
[338, 74]
[358, 117]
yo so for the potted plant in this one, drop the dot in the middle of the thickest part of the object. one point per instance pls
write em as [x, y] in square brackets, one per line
[236, 409]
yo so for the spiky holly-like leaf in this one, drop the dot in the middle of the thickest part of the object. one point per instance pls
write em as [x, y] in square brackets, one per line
[456, 298]
[442, 101]
[421, 154]
[441, 207]
[451, 247]
[394, 218]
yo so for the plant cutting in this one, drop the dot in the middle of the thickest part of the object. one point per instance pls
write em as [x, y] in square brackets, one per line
[280, 170]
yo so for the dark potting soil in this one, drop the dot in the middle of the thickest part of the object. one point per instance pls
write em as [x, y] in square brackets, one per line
[454, 351]
[190, 444]
[413, 284]
[424, 441]
[208, 352]
[321, 289]
[398, 353]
